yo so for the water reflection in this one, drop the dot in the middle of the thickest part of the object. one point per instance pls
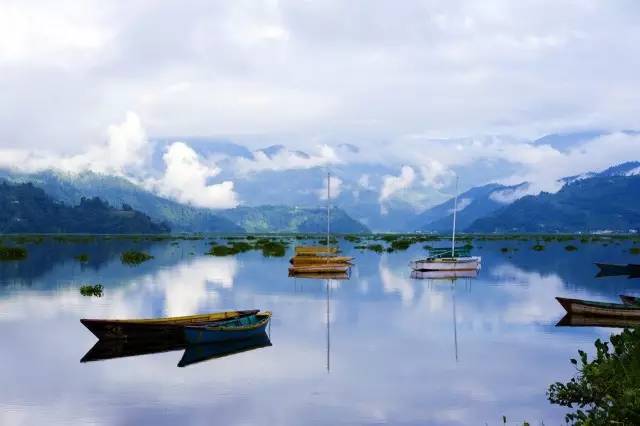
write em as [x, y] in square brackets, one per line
[399, 350]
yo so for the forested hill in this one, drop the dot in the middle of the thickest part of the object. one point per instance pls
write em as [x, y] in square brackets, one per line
[27, 209]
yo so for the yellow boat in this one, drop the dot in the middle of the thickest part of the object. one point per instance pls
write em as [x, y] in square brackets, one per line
[319, 260]
[326, 268]
[315, 250]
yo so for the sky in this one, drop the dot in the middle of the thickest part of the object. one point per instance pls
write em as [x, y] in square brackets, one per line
[427, 87]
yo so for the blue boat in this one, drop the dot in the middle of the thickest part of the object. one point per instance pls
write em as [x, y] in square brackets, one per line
[238, 328]
[207, 351]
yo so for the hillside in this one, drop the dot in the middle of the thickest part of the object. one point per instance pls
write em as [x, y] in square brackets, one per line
[25, 208]
[292, 219]
[591, 204]
[473, 204]
[71, 188]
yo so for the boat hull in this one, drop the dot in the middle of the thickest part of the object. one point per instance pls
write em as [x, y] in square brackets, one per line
[319, 269]
[157, 328]
[453, 264]
[205, 334]
[320, 260]
[574, 320]
[207, 351]
[630, 300]
[589, 308]
[610, 269]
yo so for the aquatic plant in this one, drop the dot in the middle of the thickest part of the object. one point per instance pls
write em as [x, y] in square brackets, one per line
[352, 238]
[133, 257]
[634, 250]
[570, 248]
[221, 251]
[606, 390]
[538, 247]
[504, 249]
[91, 290]
[401, 244]
[82, 257]
[12, 253]
[274, 249]
[377, 248]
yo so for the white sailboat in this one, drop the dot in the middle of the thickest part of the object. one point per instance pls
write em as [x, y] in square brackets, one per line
[444, 259]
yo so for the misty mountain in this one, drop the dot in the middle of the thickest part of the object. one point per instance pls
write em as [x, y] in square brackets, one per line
[473, 204]
[25, 208]
[586, 205]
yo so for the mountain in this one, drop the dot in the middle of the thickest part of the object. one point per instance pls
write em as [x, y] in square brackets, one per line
[473, 204]
[71, 188]
[25, 208]
[292, 219]
[606, 202]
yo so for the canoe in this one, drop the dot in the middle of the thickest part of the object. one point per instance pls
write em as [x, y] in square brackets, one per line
[314, 250]
[570, 320]
[444, 275]
[239, 328]
[612, 269]
[339, 268]
[170, 327]
[446, 264]
[207, 351]
[319, 260]
[630, 300]
[591, 308]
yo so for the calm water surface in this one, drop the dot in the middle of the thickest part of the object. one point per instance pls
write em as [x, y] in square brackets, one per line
[378, 348]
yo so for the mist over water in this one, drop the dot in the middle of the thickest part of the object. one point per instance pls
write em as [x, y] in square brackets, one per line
[380, 347]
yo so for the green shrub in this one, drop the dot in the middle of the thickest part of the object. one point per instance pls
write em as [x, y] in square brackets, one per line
[274, 249]
[133, 257]
[13, 253]
[221, 251]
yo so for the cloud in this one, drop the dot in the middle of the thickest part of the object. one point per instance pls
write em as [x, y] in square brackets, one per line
[186, 180]
[463, 203]
[509, 195]
[336, 188]
[285, 159]
[393, 184]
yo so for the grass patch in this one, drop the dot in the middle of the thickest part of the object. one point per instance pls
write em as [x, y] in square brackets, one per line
[13, 253]
[274, 249]
[538, 247]
[570, 248]
[82, 257]
[91, 290]
[133, 257]
[634, 250]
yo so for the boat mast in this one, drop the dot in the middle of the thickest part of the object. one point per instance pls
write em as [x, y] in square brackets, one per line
[455, 210]
[328, 208]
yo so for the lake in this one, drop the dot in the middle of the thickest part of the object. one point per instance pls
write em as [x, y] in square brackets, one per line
[377, 348]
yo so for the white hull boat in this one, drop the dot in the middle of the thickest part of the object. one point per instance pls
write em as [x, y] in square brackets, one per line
[471, 263]
[443, 275]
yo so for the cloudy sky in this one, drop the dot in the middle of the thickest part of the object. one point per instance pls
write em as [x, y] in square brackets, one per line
[425, 86]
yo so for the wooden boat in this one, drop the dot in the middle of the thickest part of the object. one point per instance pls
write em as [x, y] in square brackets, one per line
[239, 328]
[611, 269]
[322, 276]
[319, 260]
[630, 300]
[327, 268]
[170, 327]
[314, 250]
[207, 351]
[592, 308]
[570, 320]
[444, 275]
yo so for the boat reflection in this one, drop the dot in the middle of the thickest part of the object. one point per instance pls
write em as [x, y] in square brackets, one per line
[111, 349]
[443, 275]
[573, 320]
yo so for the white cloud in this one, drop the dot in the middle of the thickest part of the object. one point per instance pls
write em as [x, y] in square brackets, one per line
[463, 203]
[286, 159]
[393, 184]
[336, 188]
[186, 180]
[509, 195]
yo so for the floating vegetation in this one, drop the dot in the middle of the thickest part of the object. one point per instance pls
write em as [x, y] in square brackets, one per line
[401, 244]
[82, 257]
[27, 239]
[133, 257]
[634, 250]
[91, 290]
[274, 249]
[504, 249]
[352, 238]
[221, 251]
[538, 247]
[74, 239]
[12, 253]
[378, 248]
[570, 248]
